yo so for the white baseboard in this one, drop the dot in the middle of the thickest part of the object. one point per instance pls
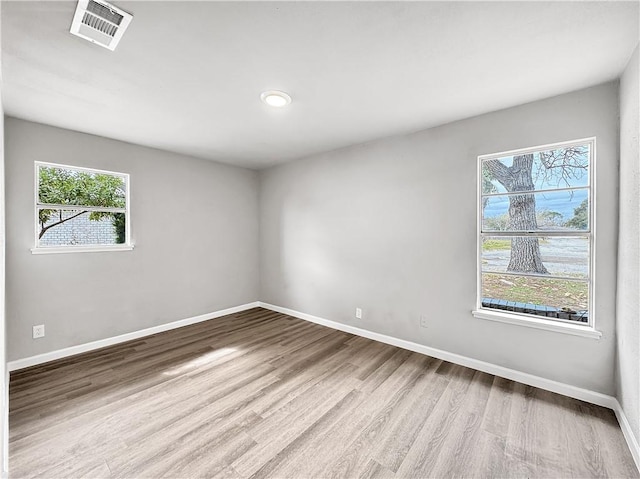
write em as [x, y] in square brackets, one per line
[582, 394]
[83, 348]
[629, 435]
[519, 376]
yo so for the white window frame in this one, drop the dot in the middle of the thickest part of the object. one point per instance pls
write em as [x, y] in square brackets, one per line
[530, 320]
[37, 249]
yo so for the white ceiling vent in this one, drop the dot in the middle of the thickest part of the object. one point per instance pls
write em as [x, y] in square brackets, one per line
[100, 23]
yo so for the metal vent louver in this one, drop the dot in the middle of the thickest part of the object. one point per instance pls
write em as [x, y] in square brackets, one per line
[100, 23]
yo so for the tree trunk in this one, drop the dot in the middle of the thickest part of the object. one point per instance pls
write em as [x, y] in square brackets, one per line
[525, 256]
[525, 251]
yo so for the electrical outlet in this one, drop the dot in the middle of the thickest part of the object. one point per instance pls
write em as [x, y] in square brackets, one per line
[358, 313]
[38, 331]
[423, 321]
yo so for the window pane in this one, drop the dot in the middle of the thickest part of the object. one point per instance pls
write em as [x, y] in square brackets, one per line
[548, 298]
[65, 186]
[555, 211]
[560, 256]
[561, 168]
[80, 228]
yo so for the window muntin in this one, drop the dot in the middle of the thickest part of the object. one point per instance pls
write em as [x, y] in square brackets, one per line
[80, 208]
[535, 248]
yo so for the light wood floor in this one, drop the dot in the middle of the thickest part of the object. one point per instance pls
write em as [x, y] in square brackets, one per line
[260, 394]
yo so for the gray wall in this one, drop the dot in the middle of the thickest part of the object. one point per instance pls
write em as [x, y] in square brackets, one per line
[194, 225]
[628, 311]
[4, 375]
[390, 226]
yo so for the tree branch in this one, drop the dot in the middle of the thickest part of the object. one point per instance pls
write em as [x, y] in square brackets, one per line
[563, 165]
[46, 228]
[500, 172]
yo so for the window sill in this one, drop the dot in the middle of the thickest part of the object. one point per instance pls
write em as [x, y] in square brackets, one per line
[532, 322]
[80, 249]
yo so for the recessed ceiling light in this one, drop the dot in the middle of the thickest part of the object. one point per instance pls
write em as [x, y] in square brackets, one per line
[275, 98]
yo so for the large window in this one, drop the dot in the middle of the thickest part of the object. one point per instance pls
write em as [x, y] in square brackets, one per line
[80, 209]
[535, 243]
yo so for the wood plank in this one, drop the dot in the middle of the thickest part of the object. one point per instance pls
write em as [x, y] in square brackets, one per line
[261, 394]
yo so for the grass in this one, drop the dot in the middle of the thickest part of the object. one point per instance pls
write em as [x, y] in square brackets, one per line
[501, 244]
[495, 244]
[556, 293]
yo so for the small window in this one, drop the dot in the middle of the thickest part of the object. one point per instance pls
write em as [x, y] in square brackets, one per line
[535, 243]
[80, 209]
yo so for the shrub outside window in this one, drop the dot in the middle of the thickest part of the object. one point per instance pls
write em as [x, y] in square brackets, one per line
[80, 209]
[535, 241]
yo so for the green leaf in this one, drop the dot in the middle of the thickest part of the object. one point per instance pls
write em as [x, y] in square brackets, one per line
[70, 187]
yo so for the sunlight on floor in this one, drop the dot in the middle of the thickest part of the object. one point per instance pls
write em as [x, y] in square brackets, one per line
[199, 361]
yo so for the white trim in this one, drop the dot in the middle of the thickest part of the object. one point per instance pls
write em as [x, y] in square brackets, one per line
[627, 432]
[534, 192]
[533, 149]
[519, 376]
[537, 275]
[51, 206]
[4, 467]
[83, 348]
[590, 234]
[575, 392]
[82, 168]
[79, 249]
[531, 321]
[89, 248]
[537, 233]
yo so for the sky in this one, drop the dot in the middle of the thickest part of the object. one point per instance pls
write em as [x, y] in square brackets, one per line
[563, 202]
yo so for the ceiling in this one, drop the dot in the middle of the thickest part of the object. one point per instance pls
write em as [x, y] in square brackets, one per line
[187, 76]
